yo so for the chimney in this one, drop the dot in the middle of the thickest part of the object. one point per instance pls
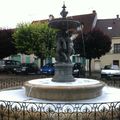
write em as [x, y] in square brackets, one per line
[117, 17]
[94, 12]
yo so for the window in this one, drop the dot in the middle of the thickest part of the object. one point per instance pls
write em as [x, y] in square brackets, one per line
[109, 28]
[116, 48]
[116, 62]
[8, 62]
[73, 59]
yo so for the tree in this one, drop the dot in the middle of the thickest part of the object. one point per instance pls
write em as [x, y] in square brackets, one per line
[36, 39]
[7, 47]
[96, 44]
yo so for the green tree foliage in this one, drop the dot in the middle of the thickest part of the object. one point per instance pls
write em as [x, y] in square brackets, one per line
[7, 47]
[92, 45]
[35, 38]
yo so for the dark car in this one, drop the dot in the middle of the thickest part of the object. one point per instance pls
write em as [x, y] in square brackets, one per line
[8, 66]
[27, 68]
[78, 70]
[48, 69]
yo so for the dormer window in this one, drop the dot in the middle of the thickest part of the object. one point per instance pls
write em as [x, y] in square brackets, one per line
[109, 28]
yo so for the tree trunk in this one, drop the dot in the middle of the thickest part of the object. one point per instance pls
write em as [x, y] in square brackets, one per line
[90, 67]
[42, 61]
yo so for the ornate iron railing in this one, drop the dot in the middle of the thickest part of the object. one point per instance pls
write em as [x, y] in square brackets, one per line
[19, 81]
[7, 82]
[59, 111]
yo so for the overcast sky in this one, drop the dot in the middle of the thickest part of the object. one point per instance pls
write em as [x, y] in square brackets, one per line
[13, 12]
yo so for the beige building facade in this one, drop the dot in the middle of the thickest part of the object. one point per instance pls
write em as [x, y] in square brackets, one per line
[111, 27]
[112, 57]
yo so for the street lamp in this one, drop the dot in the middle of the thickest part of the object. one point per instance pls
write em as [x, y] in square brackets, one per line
[81, 29]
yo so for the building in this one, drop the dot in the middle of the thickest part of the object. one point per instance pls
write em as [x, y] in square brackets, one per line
[110, 27]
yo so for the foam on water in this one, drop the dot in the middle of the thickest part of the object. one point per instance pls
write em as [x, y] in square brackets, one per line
[77, 82]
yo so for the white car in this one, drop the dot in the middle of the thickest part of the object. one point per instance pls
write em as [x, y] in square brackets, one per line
[110, 71]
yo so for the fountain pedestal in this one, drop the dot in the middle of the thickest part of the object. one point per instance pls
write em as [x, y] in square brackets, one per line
[63, 73]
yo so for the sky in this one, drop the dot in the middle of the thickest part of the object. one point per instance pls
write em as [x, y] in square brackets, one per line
[13, 12]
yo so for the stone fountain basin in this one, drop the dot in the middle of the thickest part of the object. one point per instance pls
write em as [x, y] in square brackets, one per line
[67, 91]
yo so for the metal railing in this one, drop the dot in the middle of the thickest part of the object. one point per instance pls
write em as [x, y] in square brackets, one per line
[59, 111]
[14, 81]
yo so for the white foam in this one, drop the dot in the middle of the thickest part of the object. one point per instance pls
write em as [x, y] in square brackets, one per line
[77, 82]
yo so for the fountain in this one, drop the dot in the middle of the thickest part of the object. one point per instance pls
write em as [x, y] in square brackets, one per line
[63, 86]
[63, 96]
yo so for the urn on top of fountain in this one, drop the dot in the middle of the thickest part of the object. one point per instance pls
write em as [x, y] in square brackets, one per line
[64, 12]
[64, 46]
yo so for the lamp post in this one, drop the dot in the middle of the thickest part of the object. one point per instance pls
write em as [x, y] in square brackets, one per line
[81, 28]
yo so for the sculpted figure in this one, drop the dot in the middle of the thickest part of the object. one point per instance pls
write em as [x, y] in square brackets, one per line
[64, 48]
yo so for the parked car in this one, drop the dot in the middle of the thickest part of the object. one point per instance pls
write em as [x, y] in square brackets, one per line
[48, 69]
[27, 68]
[110, 71]
[8, 66]
[78, 70]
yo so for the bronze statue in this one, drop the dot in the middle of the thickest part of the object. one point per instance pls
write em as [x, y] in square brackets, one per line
[64, 48]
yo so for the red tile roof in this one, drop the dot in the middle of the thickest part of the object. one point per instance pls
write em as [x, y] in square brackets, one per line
[89, 20]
